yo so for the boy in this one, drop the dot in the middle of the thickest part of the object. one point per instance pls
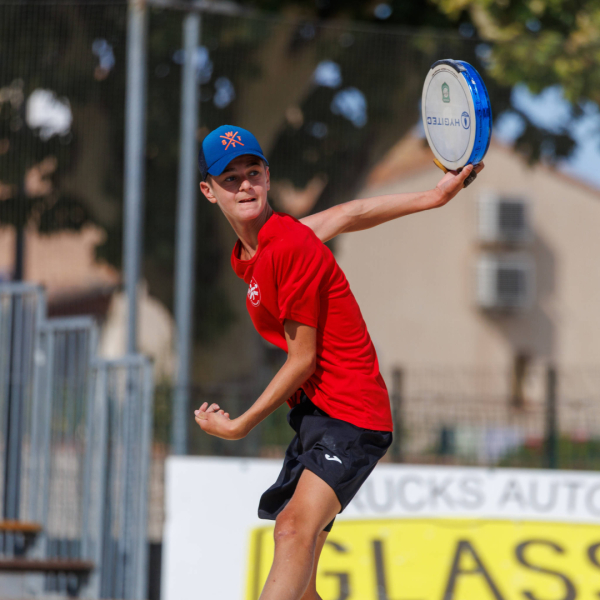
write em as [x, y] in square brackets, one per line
[299, 300]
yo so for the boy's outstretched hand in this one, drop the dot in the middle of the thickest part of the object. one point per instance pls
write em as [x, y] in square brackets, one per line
[216, 422]
[453, 182]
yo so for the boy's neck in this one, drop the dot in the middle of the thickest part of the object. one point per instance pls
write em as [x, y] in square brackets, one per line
[247, 232]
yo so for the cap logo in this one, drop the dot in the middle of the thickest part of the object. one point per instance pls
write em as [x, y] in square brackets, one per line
[231, 139]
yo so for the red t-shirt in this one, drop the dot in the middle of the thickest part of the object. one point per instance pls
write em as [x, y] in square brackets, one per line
[293, 275]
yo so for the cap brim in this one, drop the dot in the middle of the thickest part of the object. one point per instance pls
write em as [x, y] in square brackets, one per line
[218, 167]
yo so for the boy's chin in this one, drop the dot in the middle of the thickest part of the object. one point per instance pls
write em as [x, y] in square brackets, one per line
[250, 210]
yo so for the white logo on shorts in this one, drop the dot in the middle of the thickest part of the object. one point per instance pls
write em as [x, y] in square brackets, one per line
[333, 458]
[254, 292]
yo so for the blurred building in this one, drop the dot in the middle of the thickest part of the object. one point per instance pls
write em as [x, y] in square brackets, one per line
[499, 283]
[76, 283]
[504, 276]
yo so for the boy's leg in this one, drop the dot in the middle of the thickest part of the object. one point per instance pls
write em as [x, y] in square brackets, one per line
[297, 530]
[311, 590]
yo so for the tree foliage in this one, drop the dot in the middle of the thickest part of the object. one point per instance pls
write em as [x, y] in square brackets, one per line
[266, 65]
[540, 43]
[32, 160]
[257, 70]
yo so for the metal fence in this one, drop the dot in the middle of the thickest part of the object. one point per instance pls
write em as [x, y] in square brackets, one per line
[481, 417]
[59, 422]
[121, 438]
[75, 452]
[21, 312]
[56, 438]
[443, 415]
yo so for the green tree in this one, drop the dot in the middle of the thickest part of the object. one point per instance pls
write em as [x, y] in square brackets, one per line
[269, 65]
[540, 43]
[33, 155]
[255, 70]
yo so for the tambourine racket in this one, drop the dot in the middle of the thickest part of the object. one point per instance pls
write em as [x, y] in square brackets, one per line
[457, 116]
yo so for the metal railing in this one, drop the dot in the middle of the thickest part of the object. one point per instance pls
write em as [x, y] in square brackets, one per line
[466, 416]
[121, 441]
[474, 417]
[59, 421]
[22, 307]
[75, 440]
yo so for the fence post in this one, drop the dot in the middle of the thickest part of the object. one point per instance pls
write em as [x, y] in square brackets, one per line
[14, 420]
[186, 234]
[93, 542]
[397, 397]
[551, 445]
[135, 161]
[140, 589]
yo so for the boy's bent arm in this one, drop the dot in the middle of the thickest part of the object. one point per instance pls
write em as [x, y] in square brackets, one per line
[370, 212]
[299, 366]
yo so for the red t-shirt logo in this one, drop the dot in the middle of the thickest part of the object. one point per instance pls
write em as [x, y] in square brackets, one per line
[254, 293]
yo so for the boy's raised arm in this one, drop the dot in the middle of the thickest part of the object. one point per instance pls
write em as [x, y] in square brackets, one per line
[370, 212]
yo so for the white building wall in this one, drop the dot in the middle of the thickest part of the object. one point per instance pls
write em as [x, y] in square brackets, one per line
[414, 278]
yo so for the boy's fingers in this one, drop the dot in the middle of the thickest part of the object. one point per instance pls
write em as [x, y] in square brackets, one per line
[468, 175]
[466, 171]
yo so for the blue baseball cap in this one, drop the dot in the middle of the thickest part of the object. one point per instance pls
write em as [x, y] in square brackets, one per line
[222, 145]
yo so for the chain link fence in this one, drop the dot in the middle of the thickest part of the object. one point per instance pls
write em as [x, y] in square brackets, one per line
[326, 101]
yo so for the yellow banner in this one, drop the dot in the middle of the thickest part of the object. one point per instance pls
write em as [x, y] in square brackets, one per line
[448, 559]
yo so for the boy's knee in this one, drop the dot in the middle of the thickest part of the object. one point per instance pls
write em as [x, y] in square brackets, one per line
[290, 525]
[287, 525]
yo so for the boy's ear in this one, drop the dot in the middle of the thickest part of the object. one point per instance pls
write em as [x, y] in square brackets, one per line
[268, 173]
[207, 191]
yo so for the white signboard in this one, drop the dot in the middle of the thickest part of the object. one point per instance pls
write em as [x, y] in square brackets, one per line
[211, 507]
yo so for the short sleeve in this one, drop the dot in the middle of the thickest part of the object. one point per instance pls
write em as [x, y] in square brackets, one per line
[300, 270]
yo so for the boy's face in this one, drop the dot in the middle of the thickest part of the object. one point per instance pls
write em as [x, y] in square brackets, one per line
[241, 189]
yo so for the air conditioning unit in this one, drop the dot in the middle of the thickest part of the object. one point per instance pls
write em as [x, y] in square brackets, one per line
[505, 281]
[504, 219]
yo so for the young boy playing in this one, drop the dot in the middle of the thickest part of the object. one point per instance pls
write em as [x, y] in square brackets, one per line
[299, 299]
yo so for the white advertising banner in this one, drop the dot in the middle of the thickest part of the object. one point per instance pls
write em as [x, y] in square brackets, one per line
[421, 532]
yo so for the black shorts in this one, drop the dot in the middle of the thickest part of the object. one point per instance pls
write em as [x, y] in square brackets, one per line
[340, 453]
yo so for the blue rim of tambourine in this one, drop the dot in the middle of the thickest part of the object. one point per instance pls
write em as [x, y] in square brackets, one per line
[481, 104]
[483, 112]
